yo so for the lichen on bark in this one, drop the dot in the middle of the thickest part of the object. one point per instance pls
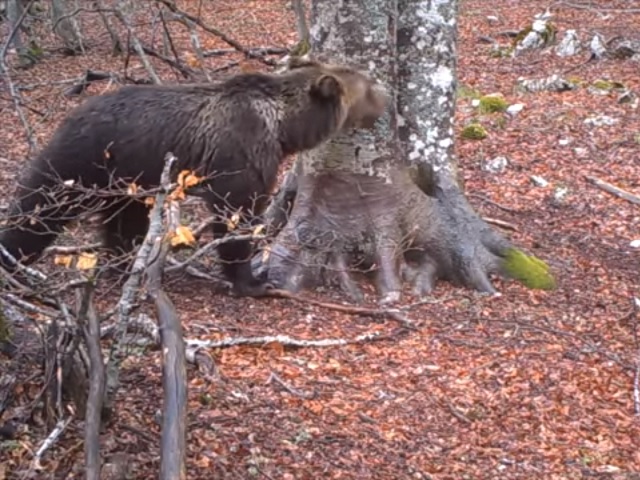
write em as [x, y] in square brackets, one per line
[386, 203]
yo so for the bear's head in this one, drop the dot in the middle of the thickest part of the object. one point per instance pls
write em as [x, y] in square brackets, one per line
[362, 99]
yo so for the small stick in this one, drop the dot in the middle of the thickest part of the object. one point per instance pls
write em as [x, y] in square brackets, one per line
[395, 314]
[612, 189]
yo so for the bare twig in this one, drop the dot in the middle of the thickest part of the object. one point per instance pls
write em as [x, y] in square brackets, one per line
[15, 95]
[273, 377]
[500, 223]
[138, 46]
[70, 249]
[612, 189]
[211, 246]
[214, 31]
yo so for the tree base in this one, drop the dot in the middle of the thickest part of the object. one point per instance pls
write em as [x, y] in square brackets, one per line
[345, 224]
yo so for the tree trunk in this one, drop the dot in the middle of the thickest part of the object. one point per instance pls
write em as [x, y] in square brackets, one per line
[387, 201]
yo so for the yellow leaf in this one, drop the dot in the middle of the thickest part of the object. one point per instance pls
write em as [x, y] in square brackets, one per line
[258, 230]
[192, 60]
[86, 261]
[64, 260]
[177, 194]
[150, 201]
[182, 236]
[188, 179]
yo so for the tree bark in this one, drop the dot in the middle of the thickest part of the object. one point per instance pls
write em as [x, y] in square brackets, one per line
[387, 201]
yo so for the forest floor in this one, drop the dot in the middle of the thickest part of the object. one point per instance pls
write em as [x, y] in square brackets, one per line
[526, 385]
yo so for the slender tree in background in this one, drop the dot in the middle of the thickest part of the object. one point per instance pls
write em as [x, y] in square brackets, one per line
[389, 200]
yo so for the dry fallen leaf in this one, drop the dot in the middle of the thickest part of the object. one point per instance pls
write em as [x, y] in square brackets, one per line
[86, 261]
[64, 260]
[182, 236]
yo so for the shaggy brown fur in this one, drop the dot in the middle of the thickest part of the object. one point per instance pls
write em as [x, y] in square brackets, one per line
[237, 132]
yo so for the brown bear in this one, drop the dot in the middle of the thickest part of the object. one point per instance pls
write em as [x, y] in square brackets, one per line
[235, 133]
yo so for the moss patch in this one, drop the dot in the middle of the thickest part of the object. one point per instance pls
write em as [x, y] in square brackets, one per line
[465, 91]
[492, 104]
[528, 270]
[474, 131]
[608, 85]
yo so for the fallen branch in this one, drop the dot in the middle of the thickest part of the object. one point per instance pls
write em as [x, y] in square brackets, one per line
[293, 391]
[394, 314]
[612, 189]
[284, 340]
[49, 442]
[500, 223]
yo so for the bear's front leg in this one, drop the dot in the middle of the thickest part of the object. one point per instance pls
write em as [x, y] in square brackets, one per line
[236, 265]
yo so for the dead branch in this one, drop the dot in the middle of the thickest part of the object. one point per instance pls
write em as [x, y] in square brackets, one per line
[49, 442]
[13, 32]
[284, 340]
[136, 44]
[273, 377]
[89, 322]
[211, 246]
[13, 92]
[89, 77]
[214, 31]
[174, 372]
[185, 71]
[394, 314]
[126, 303]
[500, 223]
[70, 249]
[261, 51]
[612, 189]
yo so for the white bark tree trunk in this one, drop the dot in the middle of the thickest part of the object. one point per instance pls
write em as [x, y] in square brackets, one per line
[388, 200]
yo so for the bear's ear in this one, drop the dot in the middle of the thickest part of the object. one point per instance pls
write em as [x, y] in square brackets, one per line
[327, 87]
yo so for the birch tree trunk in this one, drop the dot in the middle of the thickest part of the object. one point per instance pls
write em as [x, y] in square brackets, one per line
[387, 202]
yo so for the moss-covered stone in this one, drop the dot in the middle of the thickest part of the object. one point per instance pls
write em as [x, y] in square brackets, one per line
[528, 270]
[548, 34]
[474, 131]
[492, 103]
[501, 52]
